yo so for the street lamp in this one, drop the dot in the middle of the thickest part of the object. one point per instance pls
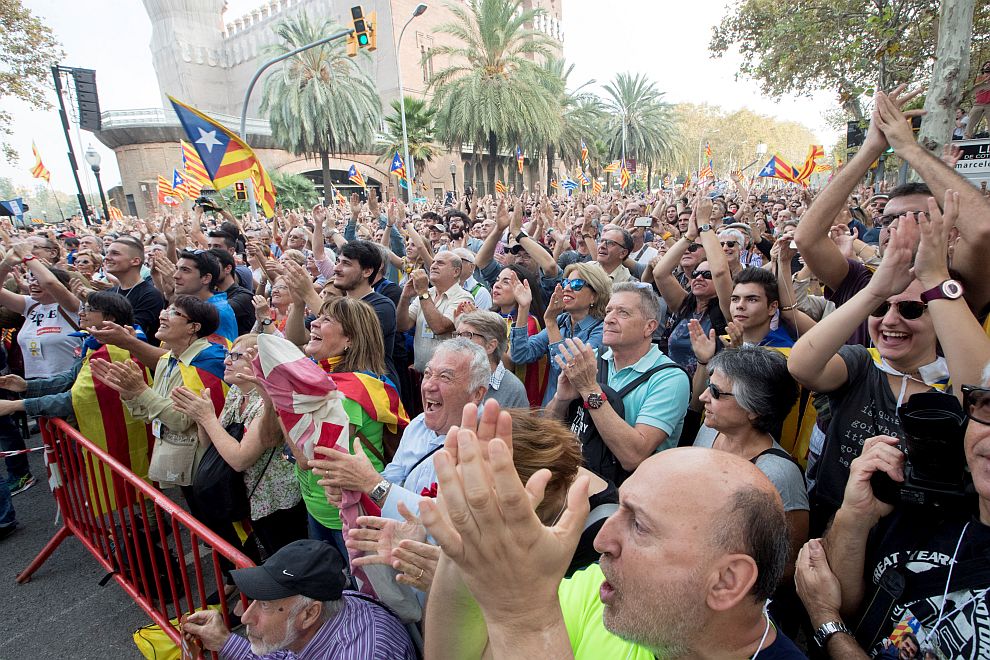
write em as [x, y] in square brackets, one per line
[93, 158]
[410, 168]
[453, 177]
[761, 150]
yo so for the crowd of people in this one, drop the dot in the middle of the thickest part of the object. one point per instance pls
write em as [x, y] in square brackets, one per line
[725, 419]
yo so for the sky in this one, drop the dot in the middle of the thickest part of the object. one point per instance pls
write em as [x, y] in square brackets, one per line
[666, 40]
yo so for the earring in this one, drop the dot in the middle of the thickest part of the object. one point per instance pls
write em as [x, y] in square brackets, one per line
[347, 348]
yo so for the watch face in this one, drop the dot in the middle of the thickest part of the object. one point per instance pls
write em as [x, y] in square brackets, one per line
[952, 289]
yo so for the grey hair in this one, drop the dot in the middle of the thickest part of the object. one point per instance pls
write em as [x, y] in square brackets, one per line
[480, 369]
[329, 609]
[761, 383]
[649, 304]
[489, 325]
[734, 232]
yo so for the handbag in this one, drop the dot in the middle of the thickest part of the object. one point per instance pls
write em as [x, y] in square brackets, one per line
[221, 485]
[173, 459]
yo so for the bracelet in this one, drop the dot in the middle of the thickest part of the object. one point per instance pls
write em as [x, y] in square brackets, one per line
[701, 364]
[788, 308]
[27, 258]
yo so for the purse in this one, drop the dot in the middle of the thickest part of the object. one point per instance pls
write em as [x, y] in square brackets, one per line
[173, 460]
[221, 485]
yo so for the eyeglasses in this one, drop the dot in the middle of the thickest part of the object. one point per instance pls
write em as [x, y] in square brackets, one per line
[233, 356]
[706, 274]
[172, 312]
[908, 309]
[887, 219]
[574, 284]
[608, 242]
[694, 247]
[469, 335]
[729, 244]
[976, 403]
[717, 393]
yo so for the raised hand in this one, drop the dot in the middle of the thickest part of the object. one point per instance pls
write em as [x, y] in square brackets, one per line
[931, 262]
[704, 346]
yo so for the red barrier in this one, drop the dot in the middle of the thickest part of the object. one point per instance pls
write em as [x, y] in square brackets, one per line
[133, 530]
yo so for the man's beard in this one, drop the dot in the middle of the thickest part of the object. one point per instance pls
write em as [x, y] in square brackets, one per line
[260, 648]
[456, 235]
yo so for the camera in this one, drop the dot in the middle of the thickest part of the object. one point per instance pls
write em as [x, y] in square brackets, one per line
[205, 203]
[935, 474]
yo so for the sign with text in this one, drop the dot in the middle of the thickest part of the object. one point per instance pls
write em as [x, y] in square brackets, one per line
[974, 164]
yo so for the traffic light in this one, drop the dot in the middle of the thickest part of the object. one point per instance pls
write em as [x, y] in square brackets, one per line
[364, 31]
[360, 26]
[239, 190]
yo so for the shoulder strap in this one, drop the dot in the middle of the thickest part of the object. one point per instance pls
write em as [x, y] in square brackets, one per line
[773, 451]
[68, 319]
[636, 382]
[374, 601]
[424, 457]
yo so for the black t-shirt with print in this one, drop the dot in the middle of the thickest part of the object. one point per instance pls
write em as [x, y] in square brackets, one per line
[148, 302]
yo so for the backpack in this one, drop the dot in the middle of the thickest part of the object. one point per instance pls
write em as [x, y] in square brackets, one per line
[597, 456]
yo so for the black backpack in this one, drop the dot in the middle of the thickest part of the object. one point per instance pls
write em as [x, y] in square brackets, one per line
[597, 456]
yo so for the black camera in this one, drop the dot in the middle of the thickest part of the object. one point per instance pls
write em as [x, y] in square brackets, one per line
[205, 203]
[935, 474]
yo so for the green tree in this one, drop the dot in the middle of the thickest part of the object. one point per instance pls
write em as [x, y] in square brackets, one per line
[492, 93]
[419, 132]
[28, 48]
[319, 102]
[294, 191]
[580, 115]
[637, 109]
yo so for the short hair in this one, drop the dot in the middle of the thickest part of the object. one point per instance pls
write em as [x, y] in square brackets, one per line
[97, 258]
[735, 233]
[228, 240]
[599, 282]
[114, 305]
[225, 258]
[543, 442]
[72, 242]
[479, 369]
[199, 311]
[360, 324]
[489, 325]
[627, 238]
[754, 523]
[649, 303]
[761, 384]
[431, 216]
[912, 188]
[760, 276]
[131, 242]
[294, 255]
[366, 253]
[461, 215]
[206, 263]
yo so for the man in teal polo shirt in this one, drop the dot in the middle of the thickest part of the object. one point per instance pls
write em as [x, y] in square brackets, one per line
[653, 413]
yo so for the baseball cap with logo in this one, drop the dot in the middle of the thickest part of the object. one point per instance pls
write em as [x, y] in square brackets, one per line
[307, 567]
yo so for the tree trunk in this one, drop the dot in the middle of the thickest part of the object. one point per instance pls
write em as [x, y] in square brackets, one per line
[325, 167]
[550, 156]
[649, 175]
[949, 74]
[492, 160]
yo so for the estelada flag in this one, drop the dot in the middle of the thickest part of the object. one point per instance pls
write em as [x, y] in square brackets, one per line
[611, 167]
[584, 152]
[193, 166]
[554, 184]
[356, 177]
[778, 168]
[205, 371]
[179, 184]
[226, 158]
[39, 171]
[398, 168]
[106, 422]
[815, 152]
[519, 159]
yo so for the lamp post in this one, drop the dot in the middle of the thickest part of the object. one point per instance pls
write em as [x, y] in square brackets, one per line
[410, 168]
[761, 150]
[93, 158]
[453, 177]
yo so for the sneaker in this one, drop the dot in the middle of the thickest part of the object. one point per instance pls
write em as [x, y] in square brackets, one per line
[7, 531]
[22, 484]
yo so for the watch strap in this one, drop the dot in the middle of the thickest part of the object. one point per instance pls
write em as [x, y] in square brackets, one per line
[521, 235]
[948, 290]
[827, 629]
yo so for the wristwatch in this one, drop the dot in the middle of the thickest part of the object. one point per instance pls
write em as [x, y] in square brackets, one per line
[595, 400]
[267, 322]
[703, 228]
[379, 492]
[828, 629]
[521, 235]
[947, 290]
[424, 296]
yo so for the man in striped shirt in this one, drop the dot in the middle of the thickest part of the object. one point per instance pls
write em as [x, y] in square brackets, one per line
[299, 610]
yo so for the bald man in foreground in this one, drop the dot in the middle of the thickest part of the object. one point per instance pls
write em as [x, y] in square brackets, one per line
[689, 560]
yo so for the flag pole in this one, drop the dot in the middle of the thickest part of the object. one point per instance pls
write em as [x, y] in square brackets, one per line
[55, 197]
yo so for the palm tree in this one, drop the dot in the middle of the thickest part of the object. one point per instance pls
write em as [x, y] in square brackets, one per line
[419, 132]
[637, 106]
[294, 191]
[319, 102]
[493, 93]
[579, 114]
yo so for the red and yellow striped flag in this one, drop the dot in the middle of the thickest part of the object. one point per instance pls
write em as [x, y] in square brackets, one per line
[596, 187]
[500, 187]
[611, 167]
[39, 171]
[115, 213]
[624, 178]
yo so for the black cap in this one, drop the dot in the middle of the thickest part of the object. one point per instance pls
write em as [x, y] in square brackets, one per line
[308, 568]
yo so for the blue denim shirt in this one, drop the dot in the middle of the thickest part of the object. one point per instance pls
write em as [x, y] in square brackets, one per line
[524, 349]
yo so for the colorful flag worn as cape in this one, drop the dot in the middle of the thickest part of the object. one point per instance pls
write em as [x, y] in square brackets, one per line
[106, 422]
[612, 167]
[519, 159]
[778, 168]
[206, 371]
[193, 166]
[500, 187]
[534, 375]
[584, 152]
[39, 171]
[596, 187]
[226, 158]
[356, 177]
[377, 397]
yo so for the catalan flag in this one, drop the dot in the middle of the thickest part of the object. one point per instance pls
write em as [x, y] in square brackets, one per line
[596, 187]
[823, 167]
[584, 152]
[356, 177]
[706, 171]
[337, 196]
[226, 158]
[624, 178]
[554, 184]
[583, 178]
[778, 168]
[167, 194]
[612, 167]
[115, 213]
[534, 375]
[179, 184]
[519, 159]
[708, 151]
[193, 166]
[815, 152]
[39, 171]
[398, 168]
[500, 187]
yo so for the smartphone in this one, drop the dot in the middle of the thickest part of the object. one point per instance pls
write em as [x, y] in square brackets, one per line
[644, 222]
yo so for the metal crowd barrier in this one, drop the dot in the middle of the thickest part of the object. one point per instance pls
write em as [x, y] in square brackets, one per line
[150, 546]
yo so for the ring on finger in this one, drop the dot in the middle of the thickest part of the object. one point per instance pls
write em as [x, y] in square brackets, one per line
[422, 571]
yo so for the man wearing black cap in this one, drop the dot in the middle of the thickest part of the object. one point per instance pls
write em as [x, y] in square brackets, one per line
[299, 609]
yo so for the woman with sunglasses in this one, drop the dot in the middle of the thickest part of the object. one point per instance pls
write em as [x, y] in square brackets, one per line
[576, 310]
[517, 296]
[709, 289]
[277, 513]
[909, 312]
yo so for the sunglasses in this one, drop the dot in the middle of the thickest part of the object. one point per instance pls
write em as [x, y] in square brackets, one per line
[575, 284]
[729, 244]
[717, 393]
[706, 274]
[908, 309]
[976, 403]
[694, 247]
